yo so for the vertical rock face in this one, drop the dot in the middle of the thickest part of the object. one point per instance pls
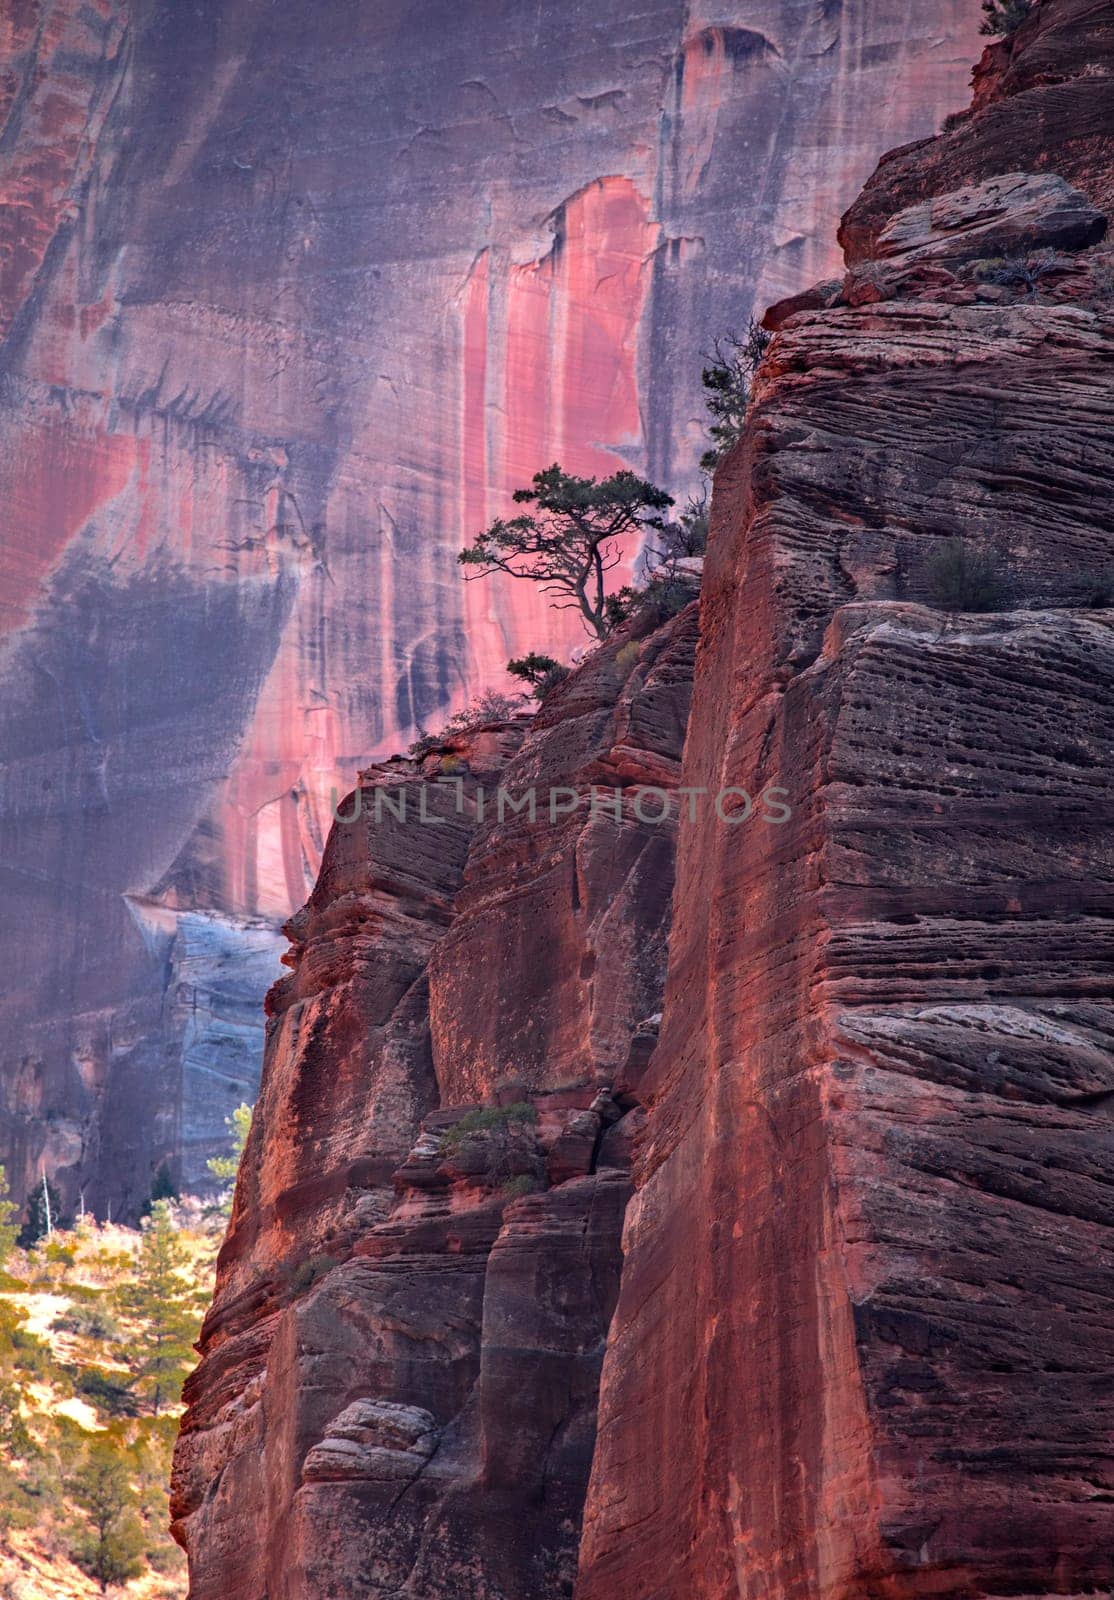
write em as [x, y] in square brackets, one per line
[290, 299]
[557, 948]
[864, 1319]
[399, 1374]
[850, 1337]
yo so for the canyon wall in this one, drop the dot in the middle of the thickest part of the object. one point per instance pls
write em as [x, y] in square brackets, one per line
[748, 1235]
[864, 1324]
[398, 1386]
[290, 299]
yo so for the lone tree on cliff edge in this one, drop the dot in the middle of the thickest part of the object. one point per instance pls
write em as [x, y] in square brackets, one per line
[572, 538]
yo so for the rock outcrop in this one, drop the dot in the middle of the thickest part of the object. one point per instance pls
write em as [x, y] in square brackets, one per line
[399, 1375]
[838, 1203]
[864, 1320]
[291, 297]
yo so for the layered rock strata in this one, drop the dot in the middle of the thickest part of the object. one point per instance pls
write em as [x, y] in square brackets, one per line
[857, 1316]
[399, 1375]
[291, 299]
[864, 1324]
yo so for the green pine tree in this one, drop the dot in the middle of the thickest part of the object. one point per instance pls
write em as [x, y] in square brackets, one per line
[109, 1546]
[163, 1186]
[162, 1306]
[9, 1230]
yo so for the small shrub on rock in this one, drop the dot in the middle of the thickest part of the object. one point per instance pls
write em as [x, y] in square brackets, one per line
[491, 706]
[628, 655]
[1003, 17]
[485, 1119]
[727, 380]
[1016, 271]
[543, 673]
[664, 594]
[495, 1143]
[307, 1272]
[672, 564]
[688, 536]
[515, 1188]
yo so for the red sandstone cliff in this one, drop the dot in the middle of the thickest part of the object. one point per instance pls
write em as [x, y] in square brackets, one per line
[291, 297]
[399, 1378]
[856, 1319]
[864, 1333]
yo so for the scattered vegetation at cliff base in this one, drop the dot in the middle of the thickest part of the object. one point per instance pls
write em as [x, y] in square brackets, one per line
[97, 1325]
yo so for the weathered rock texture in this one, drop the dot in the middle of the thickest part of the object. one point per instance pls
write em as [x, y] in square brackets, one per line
[291, 296]
[858, 1335]
[864, 1329]
[398, 1387]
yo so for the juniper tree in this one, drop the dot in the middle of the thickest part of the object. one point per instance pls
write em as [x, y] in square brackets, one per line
[571, 539]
